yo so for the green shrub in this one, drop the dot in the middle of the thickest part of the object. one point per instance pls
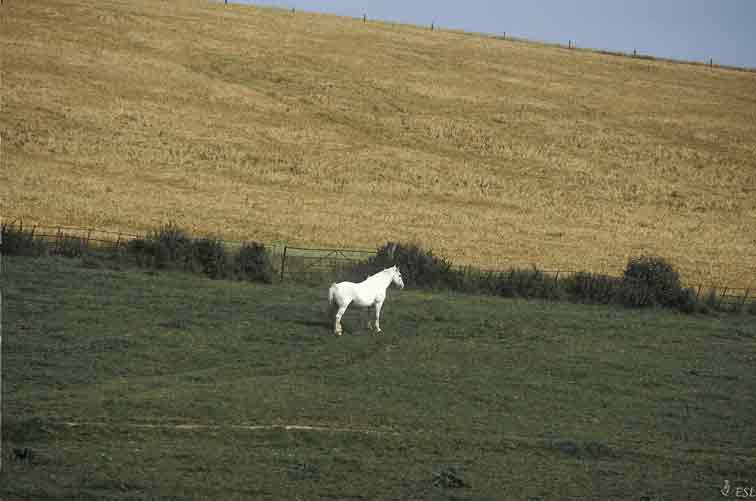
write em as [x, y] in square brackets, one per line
[751, 307]
[651, 281]
[253, 262]
[711, 300]
[70, 246]
[473, 281]
[530, 283]
[168, 246]
[118, 252]
[553, 289]
[687, 301]
[354, 271]
[596, 288]
[209, 258]
[173, 245]
[493, 283]
[144, 250]
[16, 241]
[635, 293]
[419, 267]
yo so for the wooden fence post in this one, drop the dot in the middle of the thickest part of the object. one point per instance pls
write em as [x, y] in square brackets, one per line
[283, 263]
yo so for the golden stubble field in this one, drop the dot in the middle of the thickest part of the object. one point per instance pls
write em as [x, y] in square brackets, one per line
[258, 123]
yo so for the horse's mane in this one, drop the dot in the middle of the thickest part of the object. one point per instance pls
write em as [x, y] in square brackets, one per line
[377, 275]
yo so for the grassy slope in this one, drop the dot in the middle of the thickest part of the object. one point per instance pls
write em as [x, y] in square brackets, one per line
[521, 398]
[259, 123]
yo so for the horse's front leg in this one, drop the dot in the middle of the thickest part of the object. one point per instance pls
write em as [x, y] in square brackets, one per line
[378, 316]
[370, 321]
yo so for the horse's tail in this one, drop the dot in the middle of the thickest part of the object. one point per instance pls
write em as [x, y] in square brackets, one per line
[331, 292]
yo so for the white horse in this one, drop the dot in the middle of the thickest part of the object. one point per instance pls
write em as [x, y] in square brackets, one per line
[370, 293]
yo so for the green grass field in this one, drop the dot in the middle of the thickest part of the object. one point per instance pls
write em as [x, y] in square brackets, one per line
[181, 388]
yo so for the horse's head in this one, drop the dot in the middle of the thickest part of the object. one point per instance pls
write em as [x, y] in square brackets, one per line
[396, 277]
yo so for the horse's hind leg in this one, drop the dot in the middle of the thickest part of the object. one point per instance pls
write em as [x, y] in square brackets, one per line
[337, 323]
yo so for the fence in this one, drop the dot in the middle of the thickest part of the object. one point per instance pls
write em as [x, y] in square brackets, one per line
[309, 262]
[571, 44]
[58, 236]
[304, 261]
[289, 261]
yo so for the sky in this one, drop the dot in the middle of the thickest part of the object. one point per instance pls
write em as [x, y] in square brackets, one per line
[691, 30]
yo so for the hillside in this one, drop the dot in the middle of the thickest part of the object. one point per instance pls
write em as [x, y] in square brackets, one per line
[318, 130]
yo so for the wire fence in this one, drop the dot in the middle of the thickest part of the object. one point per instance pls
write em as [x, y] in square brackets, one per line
[571, 44]
[312, 262]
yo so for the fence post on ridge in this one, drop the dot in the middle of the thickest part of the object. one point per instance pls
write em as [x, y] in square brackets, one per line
[283, 263]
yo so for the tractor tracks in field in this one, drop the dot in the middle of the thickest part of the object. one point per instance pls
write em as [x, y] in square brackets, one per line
[227, 427]
[626, 450]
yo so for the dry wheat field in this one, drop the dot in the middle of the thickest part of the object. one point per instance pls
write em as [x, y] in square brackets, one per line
[258, 123]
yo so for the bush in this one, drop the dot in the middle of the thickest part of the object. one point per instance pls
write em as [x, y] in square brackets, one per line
[170, 245]
[353, 271]
[710, 300]
[70, 246]
[473, 281]
[253, 262]
[209, 258]
[19, 242]
[144, 250]
[528, 283]
[751, 307]
[173, 245]
[687, 302]
[596, 288]
[651, 281]
[419, 267]
[635, 293]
